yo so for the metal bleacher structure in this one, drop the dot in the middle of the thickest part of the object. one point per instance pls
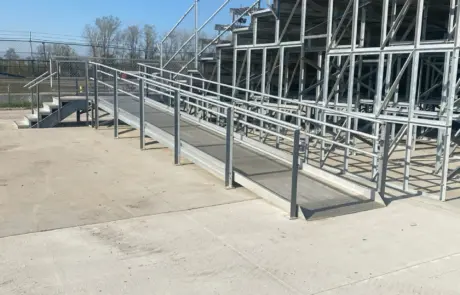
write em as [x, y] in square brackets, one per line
[324, 105]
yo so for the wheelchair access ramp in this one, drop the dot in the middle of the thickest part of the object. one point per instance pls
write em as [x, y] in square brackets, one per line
[259, 172]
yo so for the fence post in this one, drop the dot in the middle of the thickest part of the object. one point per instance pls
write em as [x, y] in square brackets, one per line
[295, 173]
[177, 128]
[229, 150]
[383, 158]
[141, 113]
[96, 99]
[59, 90]
[115, 104]
[87, 91]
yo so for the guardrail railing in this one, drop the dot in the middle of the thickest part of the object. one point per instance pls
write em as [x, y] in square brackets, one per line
[300, 111]
[35, 84]
[233, 113]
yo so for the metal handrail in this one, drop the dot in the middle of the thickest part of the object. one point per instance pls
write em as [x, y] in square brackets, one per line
[294, 127]
[40, 81]
[235, 108]
[301, 103]
[311, 120]
[286, 125]
[247, 112]
[312, 135]
[37, 78]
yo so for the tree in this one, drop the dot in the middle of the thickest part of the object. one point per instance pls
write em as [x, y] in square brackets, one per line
[61, 50]
[150, 38]
[102, 35]
[108, 27]
[182, 37]
[91, 34]
[132, 37]
[11, 54]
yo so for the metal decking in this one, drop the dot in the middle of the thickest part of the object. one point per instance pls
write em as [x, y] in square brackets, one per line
[316, 199]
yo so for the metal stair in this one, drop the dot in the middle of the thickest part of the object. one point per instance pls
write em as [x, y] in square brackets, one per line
[51, 114]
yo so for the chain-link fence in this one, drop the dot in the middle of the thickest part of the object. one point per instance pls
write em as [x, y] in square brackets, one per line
[15, 74]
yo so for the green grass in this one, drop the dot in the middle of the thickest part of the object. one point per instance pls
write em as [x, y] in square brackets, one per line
[15, 105]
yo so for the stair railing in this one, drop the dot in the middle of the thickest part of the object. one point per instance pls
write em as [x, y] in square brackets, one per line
[36, 79]
[36, 83]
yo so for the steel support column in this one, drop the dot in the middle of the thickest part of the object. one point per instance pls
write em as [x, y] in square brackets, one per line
[96, 97]
[59, 91]
[177, 142]
[87, 91]
[384, 155]
[115, 104]
[295, 174]
[413, 94]
[142, 113]
[229, 177]
[452, 95]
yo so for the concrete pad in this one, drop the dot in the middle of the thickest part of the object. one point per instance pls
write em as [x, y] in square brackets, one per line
[54, 178]
[241, 248]
[7, 118]
[352, 254]
[117, 220]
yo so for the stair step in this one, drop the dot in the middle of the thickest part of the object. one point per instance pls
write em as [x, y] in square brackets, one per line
[32, 117]
[22, 124]
[67, 99]
[51, 105]
[43, 111]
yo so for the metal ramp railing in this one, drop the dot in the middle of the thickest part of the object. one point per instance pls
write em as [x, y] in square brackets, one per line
[233, 113]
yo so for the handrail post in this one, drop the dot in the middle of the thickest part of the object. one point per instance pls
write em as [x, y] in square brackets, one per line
[32, 100]
[383, 158]
[177, 148]
[87, 91]
[229, 176]
[96, 98]
[38, 105]
[59, 90]
[141, 114]
[115, 104]
[295, 173]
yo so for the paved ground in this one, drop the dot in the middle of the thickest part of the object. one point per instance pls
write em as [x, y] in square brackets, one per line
[7, 118]
[72, 221]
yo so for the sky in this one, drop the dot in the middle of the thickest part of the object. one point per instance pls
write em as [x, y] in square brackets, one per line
[65, 19]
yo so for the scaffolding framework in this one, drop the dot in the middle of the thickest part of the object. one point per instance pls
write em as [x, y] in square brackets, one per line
[337, 65]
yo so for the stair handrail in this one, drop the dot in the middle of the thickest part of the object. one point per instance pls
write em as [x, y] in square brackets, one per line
[40, 81]
[35, 79]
